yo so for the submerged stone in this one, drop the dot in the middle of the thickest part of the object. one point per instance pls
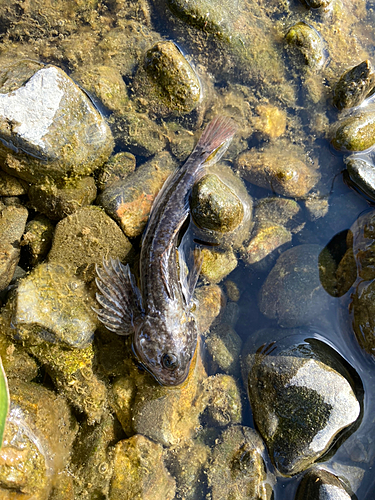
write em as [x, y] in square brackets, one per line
[37, 239]
[117, 168]
[139, 471]
[354, 85]
[363, 310]
[59, 133]
[361, 171]
[300, 403]
[306, 46]
[237, 470]
[356, 133]
[320, 484]
[217, 264]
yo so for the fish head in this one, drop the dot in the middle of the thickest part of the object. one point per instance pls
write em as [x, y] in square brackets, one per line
[166, 350]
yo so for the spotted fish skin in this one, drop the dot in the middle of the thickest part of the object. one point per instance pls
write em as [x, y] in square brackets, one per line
[158, 313]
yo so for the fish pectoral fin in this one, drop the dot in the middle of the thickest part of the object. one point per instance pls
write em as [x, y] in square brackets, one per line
[195, 272]
[119, 297]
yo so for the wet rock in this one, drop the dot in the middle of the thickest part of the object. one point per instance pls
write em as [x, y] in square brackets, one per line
[169, 417]
[58, 201]
[73, 373]
[136, 132]
[214, 206]
[237, 468]
[302, 398]
[117, 168]
[12, 226]
[223, 399]
[139, 471]
[363, 311]
[85, 238]
[265, 238]
[224, 346]
[56, 131]
[130, 201]
[361, 171]
[91, 464]
[292, 293]
[354, 85]
[172, 79]
[361, 240]
[104, 83]
[37, 239]
[279, 168]
[317, 4]
[280, 211]
[186, 463]
[54, 305]
[217, 264]
[11, 186]
[355, 133]
[16, 361]
[316, 206]
[320, 484]
[38, 436]
[124, 390]
[211, 302]
[232, 292]
[181, 140]
[306, 47]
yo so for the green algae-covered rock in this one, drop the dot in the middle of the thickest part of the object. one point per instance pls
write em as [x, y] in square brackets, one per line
[139, 471]
[37, 239]
[356, 133]
[306, 46]
[265, 238]
[85, 238]
[363, 310]
[354, 85]
[215, 206]
[59, 133]
[217, 264]
[117, 168]
[223, 398]
[174, 79]
[237, 470]
[54, 305]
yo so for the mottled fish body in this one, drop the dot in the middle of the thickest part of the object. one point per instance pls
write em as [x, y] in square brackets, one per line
[158, 313]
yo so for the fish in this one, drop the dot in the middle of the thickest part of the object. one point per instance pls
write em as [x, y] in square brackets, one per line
[158, 309]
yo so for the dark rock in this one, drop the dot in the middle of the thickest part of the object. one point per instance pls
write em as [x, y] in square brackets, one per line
[354, 85]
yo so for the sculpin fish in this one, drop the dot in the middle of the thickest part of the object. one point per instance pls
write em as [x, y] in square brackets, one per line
[158, 312]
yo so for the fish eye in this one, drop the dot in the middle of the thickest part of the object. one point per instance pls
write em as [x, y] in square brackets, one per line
[169, 361]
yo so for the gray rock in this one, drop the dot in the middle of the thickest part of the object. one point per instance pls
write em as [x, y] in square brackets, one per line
[361, 171]
[292, 293]
[12, 226]
[300, 403]
[54, 305]
[320, 484]
[237, 471]
[50, 129]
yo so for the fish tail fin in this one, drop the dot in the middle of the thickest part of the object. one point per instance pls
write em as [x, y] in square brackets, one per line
[215, 139]
[119, 297]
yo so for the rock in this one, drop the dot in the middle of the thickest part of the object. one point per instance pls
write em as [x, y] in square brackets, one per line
[217, 264]
[12, 226]
[224, 346]
[363, 310]
[306, 47]
[37, 239]
[85, 238]
[16, 361]
[361, 171]
[237, 470]
[355, 133]
[271, 122]
[117, 169]
[11, 186]
[173, 81]
[320, 484]
[136, 132]
[302, 398]
[56, 131]
[124, 390]
[72, 371]
[181, 140]
[105, 83]
[211, 302]
[38, 436]
[280, 211]
[129, 202]
[139, 471]
[214, 206]
[278, 167]
[264, 240]
[223, 399]
[58, 201]
[316, 206]
[54, 305]
[91, 464]
[317, 4]
[361, 240]
[292, 293]
[186, 463]
[232, 292]
[354, 85]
